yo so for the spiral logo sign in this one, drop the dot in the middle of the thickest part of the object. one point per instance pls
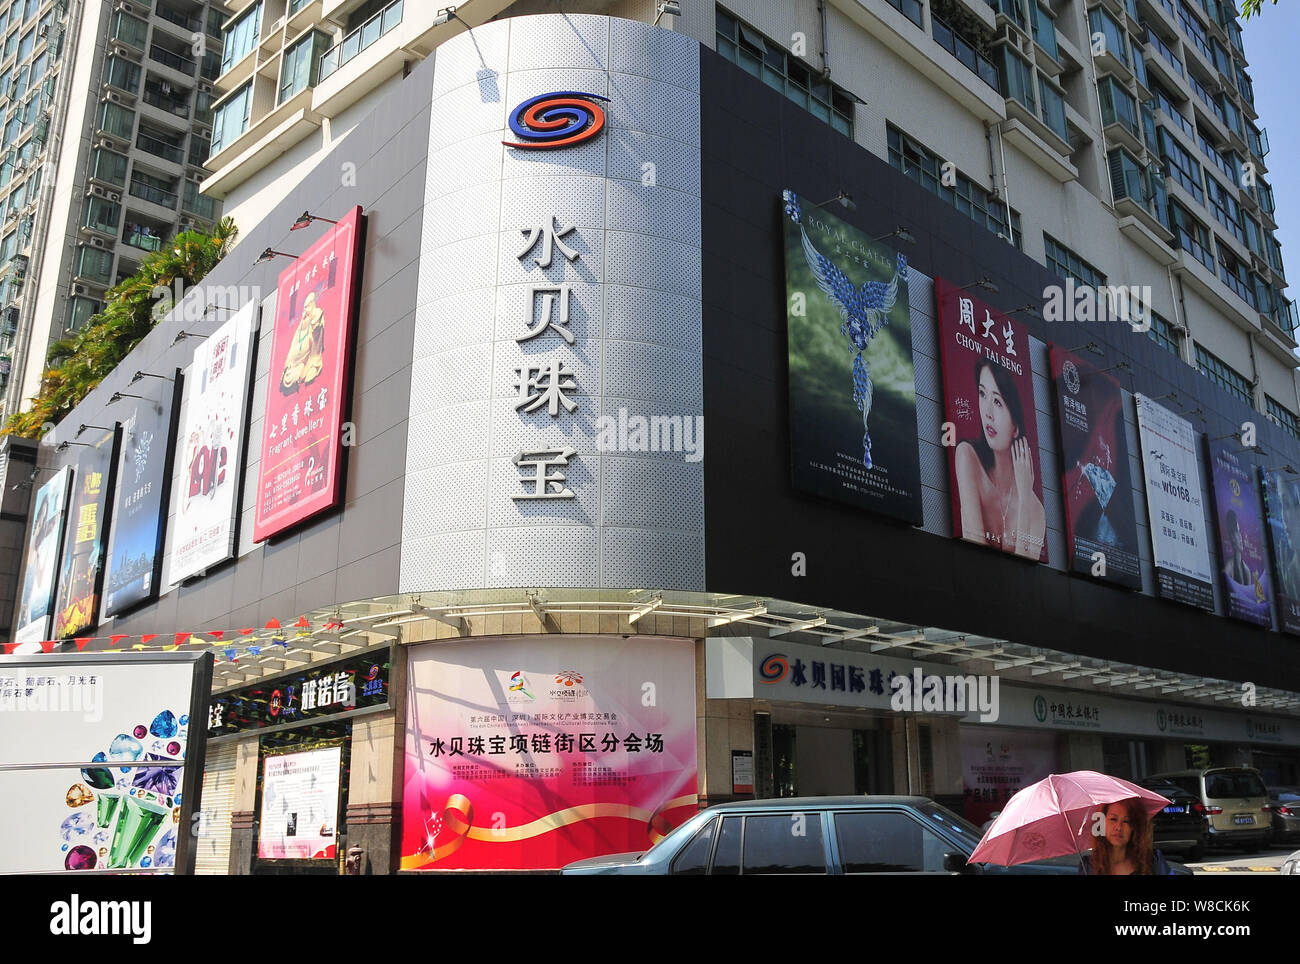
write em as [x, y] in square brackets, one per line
[558, 119]
[773, 669]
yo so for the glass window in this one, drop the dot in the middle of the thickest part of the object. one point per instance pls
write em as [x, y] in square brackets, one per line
[26, 43]
[239, 39]
[123, 74]
[1183, 168]
[231, 118]
[1103, 23]
[301, 64]
[1069, 265]
[726, 859]
[784, 843]
[693, 860]
[1282, 417]
[1217, 371]
[1165, 335]
[887, 841]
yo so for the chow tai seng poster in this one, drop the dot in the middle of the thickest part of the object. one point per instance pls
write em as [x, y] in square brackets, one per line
[300, 805]
[86, 536]
[988, 392]
[99, 766]
[1240, 517]
[40, 574]
[1282, 506]
[538, 751]
[144, 477]
[1175, 505]
[306, 393]
[209, 447]
[852, 385]
[1095, 478]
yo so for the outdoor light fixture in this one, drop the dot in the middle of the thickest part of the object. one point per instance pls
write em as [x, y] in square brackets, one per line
[986, 283]
[139, 375]
[182, 335]
[899, 232]
[103, 428]
[1091, 346]
[304, 220]
[667, 8]
[1172, 396]
[63, 446]
[268, 254]
[446, 15]
[118, 396]
[1119, 367]
[1289, 469]
[1029, 309]
[845, 199]
[215, 307]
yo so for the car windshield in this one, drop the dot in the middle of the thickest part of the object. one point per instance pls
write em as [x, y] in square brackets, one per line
[1234, 783]
[962, 829]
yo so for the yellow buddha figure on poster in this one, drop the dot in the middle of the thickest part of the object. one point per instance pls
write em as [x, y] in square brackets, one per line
[306, 358]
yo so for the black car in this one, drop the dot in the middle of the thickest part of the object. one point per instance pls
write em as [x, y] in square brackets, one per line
[1180, 827]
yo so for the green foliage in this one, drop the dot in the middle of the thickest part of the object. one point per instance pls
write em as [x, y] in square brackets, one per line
[1250, 8]
[77, 363]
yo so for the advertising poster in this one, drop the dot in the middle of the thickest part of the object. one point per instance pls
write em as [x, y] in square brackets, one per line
[209, 447]
[40, 573]
[997, 763]
[86, 536]
[852, 384]
[311, 353]
[538, 751]
[1095, 478]
[1282, 506]
[1240, 517]
[1175, 506]
[99, 769]
[139, 517]
[300, 805]
[988, 392]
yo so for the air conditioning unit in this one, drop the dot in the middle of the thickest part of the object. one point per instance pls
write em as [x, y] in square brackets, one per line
[115, 97]
[275, 27]
[107, 143]
[114, 196]
[97, 191]
[205, 88]
[78, 289]
[126, 7]
[97, 242]
[120, 51]
[13, 216]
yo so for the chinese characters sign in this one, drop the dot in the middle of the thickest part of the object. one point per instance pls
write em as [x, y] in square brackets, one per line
[993, 460]
[209, 447]
[85, 538]
[300, 805]
[311, 354]
[852, 384]
[40, 574]
[1282, 504]
[1099, 514]
[995, 763]
[536, 752]
[1174, 505]
[139, 518]
[1244, 574]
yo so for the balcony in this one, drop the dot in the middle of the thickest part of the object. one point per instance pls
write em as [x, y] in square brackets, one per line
[960, 48]
[360, 39]
[160, 148]
[197, 204]
[155, 97]
[173, 60]
[1162, 48]
[183, 20]
[1012, 10]
[155, 195]
[911, 9]
[141, 236]
[94, 265]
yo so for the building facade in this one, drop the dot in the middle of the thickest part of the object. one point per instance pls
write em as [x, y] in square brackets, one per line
[537, 558]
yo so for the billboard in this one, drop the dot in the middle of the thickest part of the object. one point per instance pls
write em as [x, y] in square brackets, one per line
[1240, 519]
[300, 805]
[1095, 477]
[1175, 506]
[209, 447]
[139, 516]
[1282, 507]
[86, 537]
[852, 383]
[40, 574]
[306, 394]
[99, 767]
[988, 397]
[996, 763]
[538, 751]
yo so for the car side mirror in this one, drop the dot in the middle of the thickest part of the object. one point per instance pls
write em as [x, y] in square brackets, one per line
[955, 863]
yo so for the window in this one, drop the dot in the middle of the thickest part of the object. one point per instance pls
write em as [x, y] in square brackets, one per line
[1224, 208]
[887, 841]
[301, 65]
[1017, 78]
[1280, 416]
[79, 312]
[1190, 234]
[765, 59]
[26, 43]
[231, 118]
[1214, 368]
[772, 846]
[693, 860]
[108, 166]
[123, 74]
[239, 39]
[1165, 335]
[726, 858]
[1236, 276]
[1102, 22]
[1118, 105]
[922, 166]
[102, 215]
[116, 120]
[1165, 103]
[1069, 265]
[1183, 168]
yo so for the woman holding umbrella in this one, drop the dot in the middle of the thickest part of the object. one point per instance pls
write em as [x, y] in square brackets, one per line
[1122, 845]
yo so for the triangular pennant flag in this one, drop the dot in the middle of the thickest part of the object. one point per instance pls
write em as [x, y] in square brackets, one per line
[145, 639]
[10, 647]
[140, 645]
[245, 632]
[254, 650]
[179, 638]
[81, 642]
[230, 654]
[117, 639]
[332, 625]
[273, 623]
[48, 645]
[302, 623]
[217, 634]
[172, 648]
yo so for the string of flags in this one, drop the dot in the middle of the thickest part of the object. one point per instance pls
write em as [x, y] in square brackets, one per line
[247, 641]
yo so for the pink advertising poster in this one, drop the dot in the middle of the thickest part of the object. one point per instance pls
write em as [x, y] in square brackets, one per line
[997, 762]
[537, 751]
[311, 353]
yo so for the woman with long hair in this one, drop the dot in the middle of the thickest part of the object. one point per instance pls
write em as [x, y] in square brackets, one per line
[995, 471]
[1122, 842]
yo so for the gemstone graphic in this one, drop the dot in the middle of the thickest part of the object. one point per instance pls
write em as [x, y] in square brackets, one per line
[79, 795]
[161, 780]
[125, 747]
[1103, 483]
[164, 725]
[173, 748]
[101, 840]
[185, 719]
[140, 731]
[98, 777]
[165, 854]
[107, 809]
[136, 827]
[80, 858]
[77, 826]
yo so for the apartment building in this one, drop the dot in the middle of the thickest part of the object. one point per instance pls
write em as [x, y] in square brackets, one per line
[108, 132]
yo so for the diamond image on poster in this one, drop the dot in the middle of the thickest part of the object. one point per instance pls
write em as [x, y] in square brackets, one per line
[161, 780]
[1244, 574]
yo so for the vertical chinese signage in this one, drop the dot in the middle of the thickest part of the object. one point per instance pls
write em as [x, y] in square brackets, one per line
[311, 355]
[1175, 506]
[209, 447]
[40, 574]
[1099, 514]
[139, 518]
[852, 384]
[993, 463]
[1244, 575]
[1282, 505]
[300, 805]
[539, 751]
[86, 537]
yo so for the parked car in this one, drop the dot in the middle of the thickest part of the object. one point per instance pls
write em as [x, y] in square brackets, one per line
[1235, 802]
[1291, 866]
[1285, 804]
[1180, 827]
[820, 835]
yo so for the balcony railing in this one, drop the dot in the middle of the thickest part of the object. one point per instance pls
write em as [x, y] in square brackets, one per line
[1242, 290]
[1045, 31]
[360, 39]
[1181, 122]
[172, 105]
[139, 236]
[960, 48]
[160, 148]
[148, 192]
[911, 9]
[177, 17]
[174, 61]
[1014, 10]
[1154, 40]
[1284, 316]
[1215, 157]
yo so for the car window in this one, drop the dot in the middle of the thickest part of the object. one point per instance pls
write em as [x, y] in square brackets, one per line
[694, 857]
[1190, 784]
[784, 843]
[1234, 784]
[888, 841]
[726, 859]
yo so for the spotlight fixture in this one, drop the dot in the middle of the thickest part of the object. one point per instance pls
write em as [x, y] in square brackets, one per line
[118, 396]
[305, 219]
[1092, 347]
[1288, 468]
[139, 375]
[63, 446]
[82, 428]
[986, 283]
[269, 253]
[182, 335]
[845, 199]
[1028, 309]
[899, 232]
[667, 8]
[1119, 367]
[213, 306]
[1172, 396]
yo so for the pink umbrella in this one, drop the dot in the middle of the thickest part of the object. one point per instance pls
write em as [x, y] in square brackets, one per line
[1054, 817]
